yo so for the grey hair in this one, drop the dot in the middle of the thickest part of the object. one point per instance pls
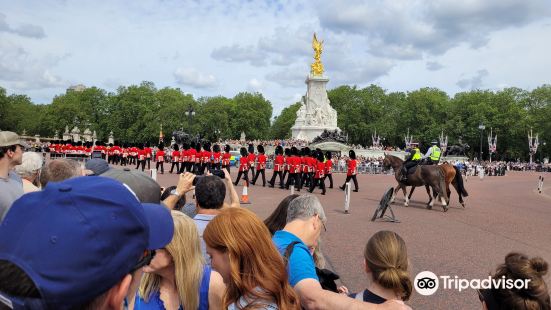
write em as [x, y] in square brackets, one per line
[304, 207]
[59, 170]
[30, 164]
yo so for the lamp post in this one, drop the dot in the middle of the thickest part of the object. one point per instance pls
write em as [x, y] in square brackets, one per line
[216, 134]
[190, 113]
[492, 142]
[532, 145]
[481, 127]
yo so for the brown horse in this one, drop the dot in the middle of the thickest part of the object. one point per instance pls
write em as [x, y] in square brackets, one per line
[453, 177]
[424, 175]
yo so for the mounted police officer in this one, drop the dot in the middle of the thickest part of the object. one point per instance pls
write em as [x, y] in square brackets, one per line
[433, 153]
[412, 160]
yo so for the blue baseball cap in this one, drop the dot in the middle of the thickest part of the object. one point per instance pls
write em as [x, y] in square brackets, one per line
[78, 238]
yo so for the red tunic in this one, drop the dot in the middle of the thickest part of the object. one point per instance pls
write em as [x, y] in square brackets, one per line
[251, 157]
[261, 165]
[147, 152]
[278, 163]
[351, 163]
[303, 164]
[175, 156]
[294, 164]
[192, 154]
[226, 159]
[216, 156]
[141, 155]
[206, 157]
[243, 164]
[328, 166]
[160, 156]
[320, 169]
[312, 162]
[287, 163]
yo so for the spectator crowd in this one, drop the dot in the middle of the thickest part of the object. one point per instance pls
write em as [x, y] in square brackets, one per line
[98, 237]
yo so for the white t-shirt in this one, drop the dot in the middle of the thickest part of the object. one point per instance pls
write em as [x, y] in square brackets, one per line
[11, 189]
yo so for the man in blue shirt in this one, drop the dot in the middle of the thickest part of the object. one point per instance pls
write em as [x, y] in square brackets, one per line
[305, 220]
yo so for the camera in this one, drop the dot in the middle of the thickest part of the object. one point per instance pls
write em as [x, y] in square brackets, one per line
[216, 172]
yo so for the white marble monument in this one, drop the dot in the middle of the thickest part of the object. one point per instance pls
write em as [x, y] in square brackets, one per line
[315, 114]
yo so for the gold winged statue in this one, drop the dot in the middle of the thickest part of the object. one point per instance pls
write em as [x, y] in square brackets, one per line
[317, 66]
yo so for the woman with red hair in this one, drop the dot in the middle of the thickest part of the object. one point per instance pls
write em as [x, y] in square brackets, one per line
[242, 251]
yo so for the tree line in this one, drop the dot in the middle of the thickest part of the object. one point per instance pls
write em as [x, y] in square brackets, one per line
[135, 113]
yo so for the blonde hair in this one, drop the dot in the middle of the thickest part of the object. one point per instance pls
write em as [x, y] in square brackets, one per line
[185, 249]
[387, 258]
[254, 260]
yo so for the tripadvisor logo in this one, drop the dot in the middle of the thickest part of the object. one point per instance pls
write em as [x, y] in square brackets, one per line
[427, 283]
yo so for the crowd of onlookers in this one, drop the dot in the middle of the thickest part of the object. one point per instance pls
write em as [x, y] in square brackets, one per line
[96, 237]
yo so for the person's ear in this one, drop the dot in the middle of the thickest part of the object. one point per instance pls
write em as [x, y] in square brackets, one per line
[116, 295]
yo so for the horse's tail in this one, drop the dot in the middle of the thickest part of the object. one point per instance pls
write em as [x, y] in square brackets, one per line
[442, 177]
[459, 182]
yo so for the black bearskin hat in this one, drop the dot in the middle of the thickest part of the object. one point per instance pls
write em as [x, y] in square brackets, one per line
[352, 154]
[279, 150]
[243, 152]
[288, 152]
[294, 151]
[176, 148]
[251, 148]
[227, 148]
[260, 149]
[198, 147]
[216, 148]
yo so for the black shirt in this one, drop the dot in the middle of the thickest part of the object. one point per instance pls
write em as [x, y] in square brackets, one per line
[370, 297]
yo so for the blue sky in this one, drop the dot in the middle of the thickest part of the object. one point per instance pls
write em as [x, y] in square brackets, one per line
[210, 48]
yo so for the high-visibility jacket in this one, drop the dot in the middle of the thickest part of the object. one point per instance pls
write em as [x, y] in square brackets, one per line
[435, 153]
[417, 154]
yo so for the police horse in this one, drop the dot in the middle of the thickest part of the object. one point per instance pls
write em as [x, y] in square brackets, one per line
[452, 175]
[423, 175]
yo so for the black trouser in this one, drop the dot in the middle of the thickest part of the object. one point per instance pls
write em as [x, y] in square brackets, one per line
[353, 178]
[316, 182]
[260, 171]
[251, 169]
[407, 165]
[295, 178]
[285, 174]
[227, 167]
[142, 162]
[148, 163]
[304, 179]
[245, 175]
[160, 163]
[123, 161]
[330, 176]
[177, 164]
[196, 168]
[272, 181]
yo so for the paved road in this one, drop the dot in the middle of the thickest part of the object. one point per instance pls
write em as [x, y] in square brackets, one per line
[503, 214]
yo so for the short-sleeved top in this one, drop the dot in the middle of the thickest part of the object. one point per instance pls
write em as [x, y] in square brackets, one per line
[301, 264]
[202, 220]
[11, 188]
[155, 302]
[369, 297]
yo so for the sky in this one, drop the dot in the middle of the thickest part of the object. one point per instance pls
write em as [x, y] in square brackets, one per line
[211, 48]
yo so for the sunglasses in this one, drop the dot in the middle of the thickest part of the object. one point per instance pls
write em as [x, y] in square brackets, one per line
[145, 260]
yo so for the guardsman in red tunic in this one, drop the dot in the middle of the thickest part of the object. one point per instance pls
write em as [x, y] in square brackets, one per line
[286, 165]
[124, 159]
[319, 174]
[175, 159]
[184, 157]
[198, 158]
[160, 156]
[205, 158]
[260, 165]
[192, 156]
[226, 158]
[279, 162]
[294, 169]
[352, 170]
[243, 166]
[252, 159]
[329, 168]
[148, 154]
[141, 157]
[216, 157]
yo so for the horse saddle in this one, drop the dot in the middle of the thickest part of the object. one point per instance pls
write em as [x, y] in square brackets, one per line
[412, 169]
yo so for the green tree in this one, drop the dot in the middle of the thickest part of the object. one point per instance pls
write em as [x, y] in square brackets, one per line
[281, 127]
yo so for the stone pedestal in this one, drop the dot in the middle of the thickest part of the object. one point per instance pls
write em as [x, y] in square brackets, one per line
[316, 114]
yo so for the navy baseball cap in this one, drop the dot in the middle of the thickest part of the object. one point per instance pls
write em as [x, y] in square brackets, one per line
[78, 238]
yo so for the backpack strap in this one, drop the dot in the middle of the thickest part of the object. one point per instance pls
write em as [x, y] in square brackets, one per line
[360, 296]
[289, 251]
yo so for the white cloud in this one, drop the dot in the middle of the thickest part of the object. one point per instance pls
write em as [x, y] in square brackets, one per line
[255, 85]
[194, 78]
[433, 66]
[475, 82]
[24, 30]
